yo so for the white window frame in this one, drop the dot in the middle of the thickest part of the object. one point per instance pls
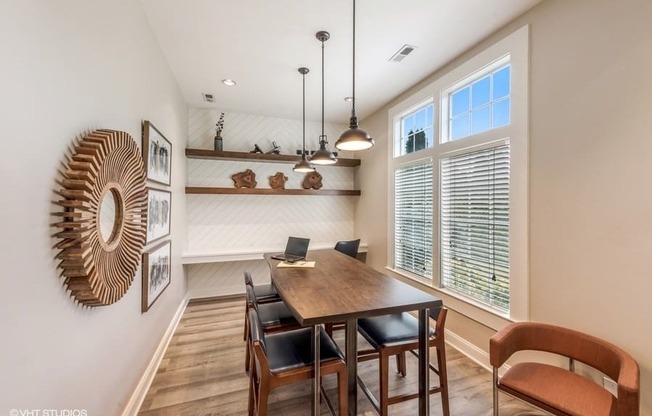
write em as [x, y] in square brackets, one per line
[514, 48]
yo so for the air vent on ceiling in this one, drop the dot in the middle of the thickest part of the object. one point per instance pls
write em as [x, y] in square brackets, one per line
[402, 53]
[208, 97]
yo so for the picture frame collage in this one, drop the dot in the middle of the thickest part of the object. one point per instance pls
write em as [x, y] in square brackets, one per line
[156, 266]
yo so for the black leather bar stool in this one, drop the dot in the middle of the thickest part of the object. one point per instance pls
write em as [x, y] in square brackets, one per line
[394, 335]
[286, 358]
[273, 316]
[350, 248]
[264, 293]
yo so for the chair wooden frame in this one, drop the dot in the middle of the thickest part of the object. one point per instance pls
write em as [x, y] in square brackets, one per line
[262, 380]
[399, 349]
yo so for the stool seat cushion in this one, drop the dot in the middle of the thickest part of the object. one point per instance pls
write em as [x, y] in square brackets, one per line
[386, 329]
[292, 349]
[275, 313]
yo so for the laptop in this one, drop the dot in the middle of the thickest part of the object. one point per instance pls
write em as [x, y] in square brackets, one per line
[296, 250]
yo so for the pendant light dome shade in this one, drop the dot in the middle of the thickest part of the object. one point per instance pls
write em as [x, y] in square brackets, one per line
[303, 165]
[354, 138]
[323, 156]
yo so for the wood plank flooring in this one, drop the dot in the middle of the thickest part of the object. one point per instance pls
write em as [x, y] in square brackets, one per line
[202, 374]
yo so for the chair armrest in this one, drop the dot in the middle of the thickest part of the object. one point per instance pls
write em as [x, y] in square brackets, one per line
[501, 346]
[628, 387]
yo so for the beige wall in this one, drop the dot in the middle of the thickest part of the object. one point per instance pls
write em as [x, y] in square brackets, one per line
[70, 66]
[590, 146]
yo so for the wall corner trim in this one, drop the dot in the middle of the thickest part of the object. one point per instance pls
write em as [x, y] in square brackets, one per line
[138, 396]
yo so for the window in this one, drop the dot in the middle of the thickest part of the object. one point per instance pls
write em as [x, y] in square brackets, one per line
[458, 191]
[481, 105]
[475, 225]
[413, 219]
[416, 130]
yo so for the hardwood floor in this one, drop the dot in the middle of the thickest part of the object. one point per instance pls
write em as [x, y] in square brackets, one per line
[202, 373]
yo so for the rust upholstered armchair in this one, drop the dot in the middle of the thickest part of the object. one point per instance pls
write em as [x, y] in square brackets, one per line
[558, 390]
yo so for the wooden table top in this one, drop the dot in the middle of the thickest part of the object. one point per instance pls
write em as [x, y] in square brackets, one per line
[340, 288]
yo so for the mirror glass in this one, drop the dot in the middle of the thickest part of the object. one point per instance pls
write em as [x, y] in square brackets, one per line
[108, 208]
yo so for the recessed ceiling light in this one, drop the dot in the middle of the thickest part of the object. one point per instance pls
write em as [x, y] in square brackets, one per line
[348, 99]
[228, 82]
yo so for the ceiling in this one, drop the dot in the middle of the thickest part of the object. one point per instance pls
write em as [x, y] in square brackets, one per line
[262, 43]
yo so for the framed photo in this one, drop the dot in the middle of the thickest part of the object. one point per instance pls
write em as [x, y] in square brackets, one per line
[157, 153]
[156, 273]
[159, 205]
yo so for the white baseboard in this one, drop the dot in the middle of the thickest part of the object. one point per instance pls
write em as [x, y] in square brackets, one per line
[140, 392]
[212, 292]
[465, 347]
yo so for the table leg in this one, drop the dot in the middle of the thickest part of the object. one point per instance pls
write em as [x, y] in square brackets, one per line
[351, 342]
[317, 373]
[424, 359]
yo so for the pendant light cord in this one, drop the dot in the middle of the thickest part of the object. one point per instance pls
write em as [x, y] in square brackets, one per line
[353, 107]
[303, 154]
[322, 88]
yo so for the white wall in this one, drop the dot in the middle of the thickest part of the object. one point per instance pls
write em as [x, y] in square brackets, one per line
[258, 223]
[590, 204]
[68, 67]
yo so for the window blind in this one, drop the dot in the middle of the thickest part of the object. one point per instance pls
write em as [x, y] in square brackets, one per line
[413, 219]
[475, 225]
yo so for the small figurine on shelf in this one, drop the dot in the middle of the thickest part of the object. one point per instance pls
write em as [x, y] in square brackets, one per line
[257, 149]
[246, 179]
[217, 142]
[276, 149]
[278, 181]
[312, 180]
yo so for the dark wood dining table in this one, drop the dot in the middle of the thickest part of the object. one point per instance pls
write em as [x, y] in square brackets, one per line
[340, 288]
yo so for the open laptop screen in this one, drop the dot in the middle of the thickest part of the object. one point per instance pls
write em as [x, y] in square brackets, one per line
[296, 249]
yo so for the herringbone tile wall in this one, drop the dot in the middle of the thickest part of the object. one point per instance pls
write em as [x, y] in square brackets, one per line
[233, 223]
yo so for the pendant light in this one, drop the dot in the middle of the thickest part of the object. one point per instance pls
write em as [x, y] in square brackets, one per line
[323, 156]
[303, 165]
[354, 138]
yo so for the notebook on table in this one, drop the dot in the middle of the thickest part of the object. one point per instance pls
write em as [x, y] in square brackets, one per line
[295, 250]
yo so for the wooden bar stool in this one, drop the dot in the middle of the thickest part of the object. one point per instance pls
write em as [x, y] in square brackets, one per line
[286, 358]
[394, 335]
[264, 293]
[273, 316]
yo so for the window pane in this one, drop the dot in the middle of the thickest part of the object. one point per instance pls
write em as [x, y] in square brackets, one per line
[474, 243]
[501, 83]
[501, 113]
[408, 124]
[460, 127]
[460, 102]
[413, 219]
[416, 131]
[480, 92]
[420, 120]
[481, 120]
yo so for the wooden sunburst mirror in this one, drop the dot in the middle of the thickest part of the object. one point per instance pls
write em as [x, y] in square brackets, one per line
[104, 218]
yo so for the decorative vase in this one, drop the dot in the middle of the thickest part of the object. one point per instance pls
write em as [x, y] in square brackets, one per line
[217, 143]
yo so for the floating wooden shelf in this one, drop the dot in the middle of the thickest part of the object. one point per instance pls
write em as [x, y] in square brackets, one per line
[260, 157]
[269, 191]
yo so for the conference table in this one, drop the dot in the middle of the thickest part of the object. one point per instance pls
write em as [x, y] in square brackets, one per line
[339, 288]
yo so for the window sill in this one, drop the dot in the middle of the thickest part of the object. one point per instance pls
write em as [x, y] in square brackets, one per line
[474, 311]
